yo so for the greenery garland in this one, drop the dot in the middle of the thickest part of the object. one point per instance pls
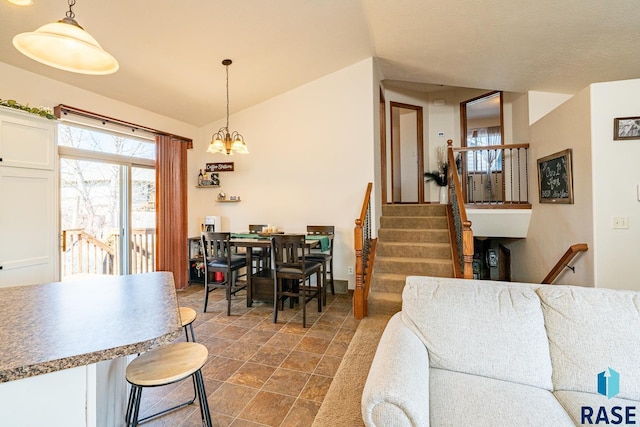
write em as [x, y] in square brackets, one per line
[33, 110]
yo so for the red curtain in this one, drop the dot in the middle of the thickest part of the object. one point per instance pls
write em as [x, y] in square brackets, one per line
[171, 208]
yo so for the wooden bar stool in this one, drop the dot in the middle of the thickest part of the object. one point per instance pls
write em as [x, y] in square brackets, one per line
[187, 316]
[163, 366]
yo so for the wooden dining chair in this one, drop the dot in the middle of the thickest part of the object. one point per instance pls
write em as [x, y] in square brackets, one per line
[292, 274]
[326, 258]
[218, 257]
[259, 256]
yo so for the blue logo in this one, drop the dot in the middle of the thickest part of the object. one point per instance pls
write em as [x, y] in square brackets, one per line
[609, 383]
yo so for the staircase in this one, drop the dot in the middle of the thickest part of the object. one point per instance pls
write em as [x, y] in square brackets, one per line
[412, 240]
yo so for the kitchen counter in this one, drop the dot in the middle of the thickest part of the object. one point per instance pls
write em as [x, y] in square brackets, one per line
[55, 326]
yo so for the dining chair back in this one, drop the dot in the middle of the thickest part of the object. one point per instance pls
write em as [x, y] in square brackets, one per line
[326, 257]
[292, 274]
[219, 257]
[259, 256]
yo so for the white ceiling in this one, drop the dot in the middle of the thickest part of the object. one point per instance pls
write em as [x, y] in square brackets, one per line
[170, 52]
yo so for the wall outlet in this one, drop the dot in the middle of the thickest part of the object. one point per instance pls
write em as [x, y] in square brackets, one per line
[350, 270]
[620, 222]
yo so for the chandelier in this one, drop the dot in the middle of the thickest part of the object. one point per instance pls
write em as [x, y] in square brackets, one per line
[66, 45]
[223, 141]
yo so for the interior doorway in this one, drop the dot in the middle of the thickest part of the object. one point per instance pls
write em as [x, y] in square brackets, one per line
[405, 160]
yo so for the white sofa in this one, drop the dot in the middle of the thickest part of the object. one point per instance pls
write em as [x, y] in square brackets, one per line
[483, 353]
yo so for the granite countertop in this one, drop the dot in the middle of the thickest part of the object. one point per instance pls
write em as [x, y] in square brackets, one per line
[55, 326]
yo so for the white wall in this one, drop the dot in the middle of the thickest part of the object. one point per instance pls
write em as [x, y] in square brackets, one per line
[555, 227]
[541, 103]
[311, 157]
[616, 176]
[36, 90]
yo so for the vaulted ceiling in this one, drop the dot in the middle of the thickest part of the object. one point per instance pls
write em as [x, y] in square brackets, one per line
[170, 52]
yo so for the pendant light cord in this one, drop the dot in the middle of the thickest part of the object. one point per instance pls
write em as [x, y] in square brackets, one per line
[227, 68]
[70, 13]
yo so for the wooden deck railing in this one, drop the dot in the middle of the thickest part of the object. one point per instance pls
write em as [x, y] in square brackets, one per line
[564, 261]
[365, 252]
[83, 253]
[461, 225]
[494, 176]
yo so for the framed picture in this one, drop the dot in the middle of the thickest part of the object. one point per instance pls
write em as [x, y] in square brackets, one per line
[626, 128]
[554, 178]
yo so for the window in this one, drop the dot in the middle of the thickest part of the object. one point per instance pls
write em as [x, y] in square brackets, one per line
[484, 160]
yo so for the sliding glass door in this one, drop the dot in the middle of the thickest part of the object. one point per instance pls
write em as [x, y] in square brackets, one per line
[107, 202]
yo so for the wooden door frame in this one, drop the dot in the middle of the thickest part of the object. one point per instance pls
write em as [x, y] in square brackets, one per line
[383, 147]
[463, 139]
[419, 152]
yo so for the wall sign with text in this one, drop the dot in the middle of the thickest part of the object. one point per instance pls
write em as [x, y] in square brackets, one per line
[220, 167]
[554, 178]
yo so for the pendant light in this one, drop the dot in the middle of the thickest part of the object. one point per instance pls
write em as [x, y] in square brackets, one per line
[67, 46]
[223, 141]
[21, 2]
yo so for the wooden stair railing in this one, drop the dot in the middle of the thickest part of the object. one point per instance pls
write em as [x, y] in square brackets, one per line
[365, 252]
[513, 175]
[564, 261]
[462, 226]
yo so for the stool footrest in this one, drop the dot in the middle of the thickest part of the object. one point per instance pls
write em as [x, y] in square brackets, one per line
[166, 411]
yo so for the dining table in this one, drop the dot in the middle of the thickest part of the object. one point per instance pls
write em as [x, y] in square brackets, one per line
[260, 283]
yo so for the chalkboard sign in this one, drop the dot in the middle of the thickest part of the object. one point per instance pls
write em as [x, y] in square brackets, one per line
[554, 178]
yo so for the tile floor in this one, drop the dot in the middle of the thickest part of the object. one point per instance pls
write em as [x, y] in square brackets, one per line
[259, 373]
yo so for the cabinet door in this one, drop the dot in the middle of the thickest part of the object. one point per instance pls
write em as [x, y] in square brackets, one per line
[28, 236]
[26, 142]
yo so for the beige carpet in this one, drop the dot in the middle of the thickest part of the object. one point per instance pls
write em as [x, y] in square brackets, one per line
[341, 405]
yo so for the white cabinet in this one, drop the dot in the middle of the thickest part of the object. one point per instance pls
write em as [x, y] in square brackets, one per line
[26, 140]
[28, 199]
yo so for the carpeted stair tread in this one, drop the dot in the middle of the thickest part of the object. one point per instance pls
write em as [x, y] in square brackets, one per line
[414, 210]
[385, 303]
[418, 236]
[414, 249]
[387, 282]
[413, 260]
[414, 222]
[413, 266]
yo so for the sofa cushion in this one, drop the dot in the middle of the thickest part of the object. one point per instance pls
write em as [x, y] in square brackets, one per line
[458, 399]
[591, 330]
[480, 327]
[573, 401]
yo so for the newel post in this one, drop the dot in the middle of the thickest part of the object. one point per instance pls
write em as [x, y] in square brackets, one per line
[358, 293]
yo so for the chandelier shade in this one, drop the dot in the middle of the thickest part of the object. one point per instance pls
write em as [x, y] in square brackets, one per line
[223, 141]
[67, 46]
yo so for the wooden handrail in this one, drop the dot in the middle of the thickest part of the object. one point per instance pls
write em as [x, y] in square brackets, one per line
[492, 147]
[467, 232]
[362, 246]
[564, 261]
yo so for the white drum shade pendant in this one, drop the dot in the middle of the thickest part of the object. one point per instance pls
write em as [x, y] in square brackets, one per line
[66, 45]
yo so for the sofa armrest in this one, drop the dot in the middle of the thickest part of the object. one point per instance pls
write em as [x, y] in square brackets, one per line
[397, 389]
